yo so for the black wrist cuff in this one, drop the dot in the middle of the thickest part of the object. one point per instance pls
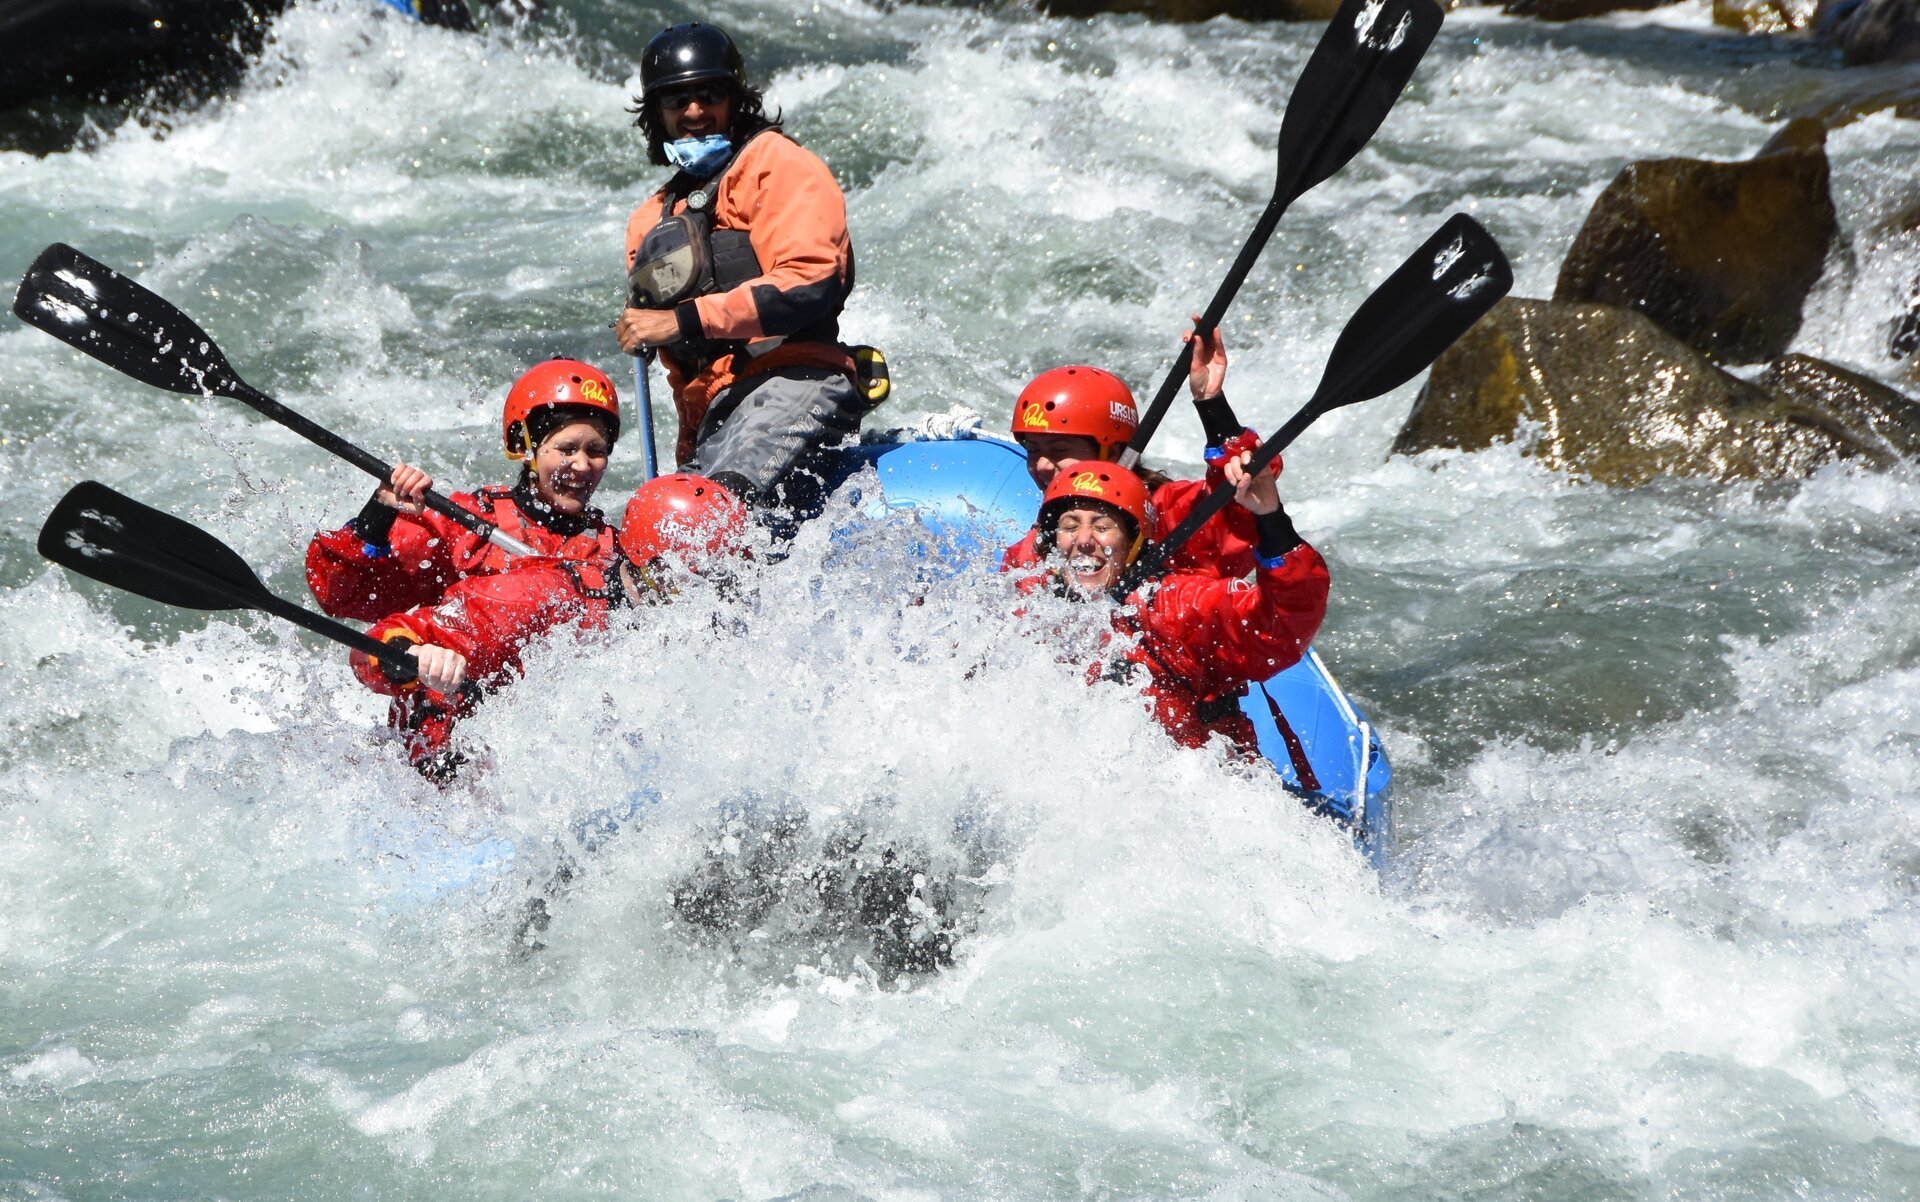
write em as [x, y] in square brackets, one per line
[1277, 535]
[688, 315]
[374, 523]
[1216, 417]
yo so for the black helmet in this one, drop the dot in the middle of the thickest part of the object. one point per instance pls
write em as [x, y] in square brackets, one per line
[685, 53]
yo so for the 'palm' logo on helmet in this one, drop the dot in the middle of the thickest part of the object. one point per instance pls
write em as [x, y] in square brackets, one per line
[1035, 415]
[1088, 482]
[592, 390]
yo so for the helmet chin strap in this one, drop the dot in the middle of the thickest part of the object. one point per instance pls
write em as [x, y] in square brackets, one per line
[635, 577]
[525, 453]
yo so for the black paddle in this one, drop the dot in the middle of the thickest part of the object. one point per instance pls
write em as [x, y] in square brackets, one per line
[1422, 309]
[92, 307]
[1357, 71]
[116, 540]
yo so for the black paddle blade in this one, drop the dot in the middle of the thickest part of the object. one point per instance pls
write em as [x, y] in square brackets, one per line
[1357, 71]
[93, 308]
[1422, 309]
[116, 540]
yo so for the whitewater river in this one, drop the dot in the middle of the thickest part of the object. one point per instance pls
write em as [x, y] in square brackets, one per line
[1651, 929]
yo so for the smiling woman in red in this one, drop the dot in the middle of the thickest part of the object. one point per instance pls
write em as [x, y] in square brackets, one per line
[560, 422]
[1198, 639]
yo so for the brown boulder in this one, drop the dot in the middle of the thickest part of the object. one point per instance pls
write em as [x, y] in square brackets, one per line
[1198, 10]
[1884, 424]
[1844, 97]
[1764, 16]
[1720, 254]
[1615, 398]
[1871, 31]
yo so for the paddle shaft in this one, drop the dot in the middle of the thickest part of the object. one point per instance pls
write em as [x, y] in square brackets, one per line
[400, 663]
[1209, 321]
[126, 325]
[643, 391]
[1362, 62]
[1150, 564]
[400, 667]
[109, 537]
[253, 398]
[1428, 302]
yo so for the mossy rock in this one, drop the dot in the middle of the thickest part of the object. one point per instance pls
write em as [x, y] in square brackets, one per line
[1722, 255]
[1871, 31]
[1764, 16]
[1883, 423]
[1607, 394]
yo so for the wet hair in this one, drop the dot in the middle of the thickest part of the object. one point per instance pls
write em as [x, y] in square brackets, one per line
[545, 419]
[749, 117]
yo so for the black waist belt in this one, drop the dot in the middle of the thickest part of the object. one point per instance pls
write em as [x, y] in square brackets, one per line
[1219, 709]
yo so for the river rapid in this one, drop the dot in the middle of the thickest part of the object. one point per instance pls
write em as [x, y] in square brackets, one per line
[1650, 930]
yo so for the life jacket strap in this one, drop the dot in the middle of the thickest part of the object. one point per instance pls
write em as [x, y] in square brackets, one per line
[1302, 768]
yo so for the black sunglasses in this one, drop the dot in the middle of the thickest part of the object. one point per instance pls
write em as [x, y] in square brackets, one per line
[708, 94]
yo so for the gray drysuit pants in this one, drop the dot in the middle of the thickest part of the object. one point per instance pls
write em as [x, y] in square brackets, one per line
[758, 429]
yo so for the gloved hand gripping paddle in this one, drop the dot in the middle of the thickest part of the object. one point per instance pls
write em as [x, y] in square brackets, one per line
[106, 536]
[1357, 71]
[1422, 309]
[93, 308]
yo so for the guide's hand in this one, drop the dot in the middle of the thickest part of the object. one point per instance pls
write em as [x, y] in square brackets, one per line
[639, 329]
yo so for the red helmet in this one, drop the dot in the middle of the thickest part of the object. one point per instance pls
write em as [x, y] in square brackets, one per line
[1082, 401]
[1110, 485]
[685, 516]
[553, 390]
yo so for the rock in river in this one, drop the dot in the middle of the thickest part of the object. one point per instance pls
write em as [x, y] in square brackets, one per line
[1871, 31]
[1607, 394]
[1720, 254]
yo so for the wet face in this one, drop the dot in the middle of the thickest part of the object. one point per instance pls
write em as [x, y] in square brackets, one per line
[1090, 544]
[1048, 453]
[569, 463]
[695, 110]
